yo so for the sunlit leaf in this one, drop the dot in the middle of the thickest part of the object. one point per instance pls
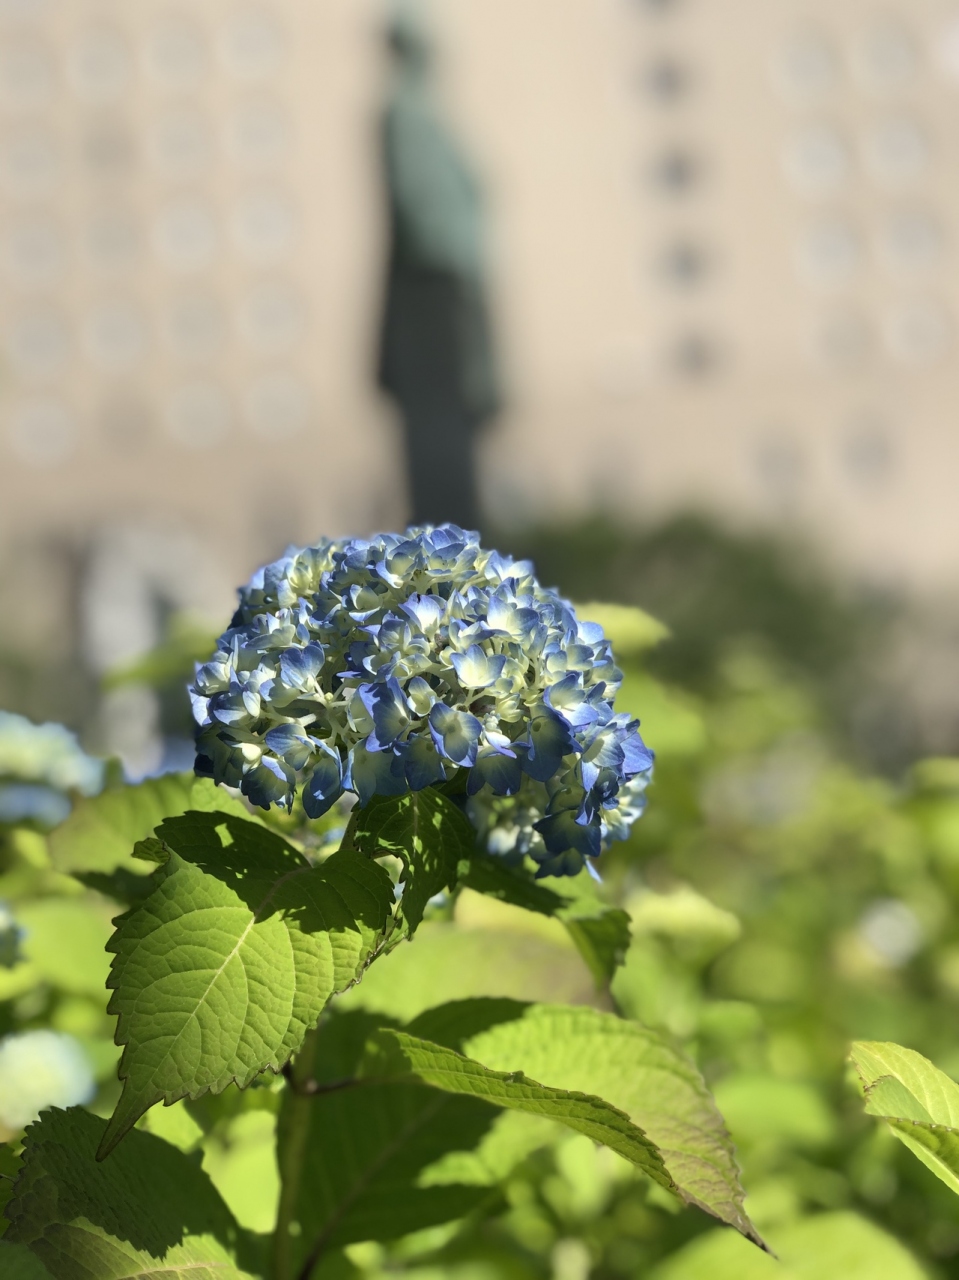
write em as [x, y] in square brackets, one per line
[150, 1211]
[222, 970]
[919, 1102]
[101, 831]
[427, 830]
[355, 1149]
[639, 1072]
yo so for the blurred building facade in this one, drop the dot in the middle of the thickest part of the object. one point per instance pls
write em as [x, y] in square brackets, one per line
[729, 270]
[725, 259]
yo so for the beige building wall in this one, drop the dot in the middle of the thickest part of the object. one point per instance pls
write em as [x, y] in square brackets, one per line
[727, 261]
[723, 247]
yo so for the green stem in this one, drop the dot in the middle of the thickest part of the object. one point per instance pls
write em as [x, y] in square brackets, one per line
[295, 1119]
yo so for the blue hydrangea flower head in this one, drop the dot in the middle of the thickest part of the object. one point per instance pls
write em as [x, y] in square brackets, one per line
[384, 665]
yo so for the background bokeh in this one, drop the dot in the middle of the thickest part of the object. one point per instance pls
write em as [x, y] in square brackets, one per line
[720, 259]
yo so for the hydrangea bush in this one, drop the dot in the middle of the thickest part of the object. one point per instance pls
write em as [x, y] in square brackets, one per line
[464, 716]
[384, 665]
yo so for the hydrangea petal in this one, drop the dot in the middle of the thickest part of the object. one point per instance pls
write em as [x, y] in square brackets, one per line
[324, 784]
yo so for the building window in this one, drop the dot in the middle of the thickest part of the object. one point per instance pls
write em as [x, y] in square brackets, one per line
[42, 433]
[684, 264]
[676, 172]
[830, 252]
[694, 355]
[911, 240]
[866, 451]
[885, 58]
[896, 150]
[919, 331]
[816, 160]
[666, 81]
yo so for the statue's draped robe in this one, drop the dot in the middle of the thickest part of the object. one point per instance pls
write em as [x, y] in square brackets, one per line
[436, 358]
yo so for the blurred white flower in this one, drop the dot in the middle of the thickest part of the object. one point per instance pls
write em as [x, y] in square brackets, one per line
[891, 930]
[40, 1069]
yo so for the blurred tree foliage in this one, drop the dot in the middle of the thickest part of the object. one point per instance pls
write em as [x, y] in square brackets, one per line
[715, 587]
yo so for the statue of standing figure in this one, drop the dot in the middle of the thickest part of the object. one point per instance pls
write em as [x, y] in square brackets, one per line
[436, 357]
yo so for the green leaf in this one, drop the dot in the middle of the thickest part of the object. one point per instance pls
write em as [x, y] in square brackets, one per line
[354, 1150]
[18, 1263]
[222, 971]
[9, 1168]
[397, 1055]
[640, 1073]
[602, 941]
[427, 830]
[151, 1211]
[827, 1246]
[630, 630]
[919, 1102]
[100, 833]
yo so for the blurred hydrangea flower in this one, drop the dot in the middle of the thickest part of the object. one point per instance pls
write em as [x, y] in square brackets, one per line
[40, 1069]
[399, 662]
[48, 754]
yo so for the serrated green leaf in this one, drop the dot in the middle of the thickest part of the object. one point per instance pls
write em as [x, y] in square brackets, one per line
[427, 830]
[358, 1148]
[100, 833]
[18, 1263]
[919, 1102]
[397, 1055]
[643, 1075]
[151, 1211]
[222, 971]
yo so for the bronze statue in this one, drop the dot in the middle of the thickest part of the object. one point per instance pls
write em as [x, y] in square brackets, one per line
[436, 355]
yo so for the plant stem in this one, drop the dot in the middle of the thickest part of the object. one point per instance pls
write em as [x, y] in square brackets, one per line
[295, 1122]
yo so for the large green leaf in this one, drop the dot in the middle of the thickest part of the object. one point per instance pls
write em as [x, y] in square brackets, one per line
[151, 1211]
[355, 1149]
[18, 1263]
[100, 833]
[365, 1138]
[637, 1071]
[397, 1055]
[919, 1102]
[220, 973]
[427, 830]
